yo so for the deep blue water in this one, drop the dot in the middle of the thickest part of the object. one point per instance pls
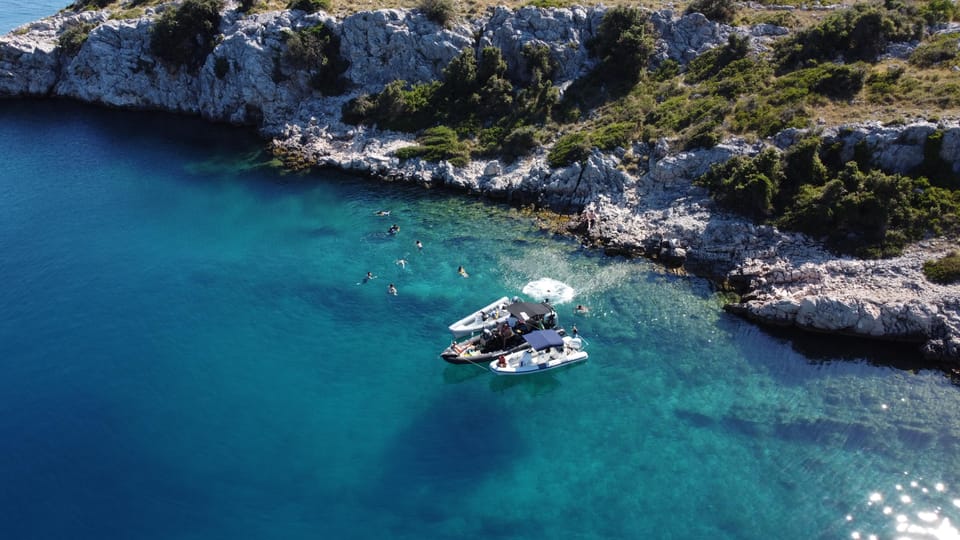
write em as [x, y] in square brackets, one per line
[186, 352]
[13, 13]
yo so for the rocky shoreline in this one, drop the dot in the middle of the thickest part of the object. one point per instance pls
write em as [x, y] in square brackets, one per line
[638, 201]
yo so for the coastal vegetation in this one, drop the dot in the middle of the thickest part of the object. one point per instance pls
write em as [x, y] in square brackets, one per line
[314, 50]
[851, 206]
[830, 69]
[945, 270]
[728, 91]
[74, 37]
[488, 112]
[310, 6]
[184, 35]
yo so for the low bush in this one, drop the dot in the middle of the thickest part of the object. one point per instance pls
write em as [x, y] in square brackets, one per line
[317, 49]
[73, 38]
[441, 12]
[550, 4]
[882, 84]
[859, 33]
[437, 144]
[713, 61]
[723, 11]
[81, 5]
[569, 149]
[310, 6]
[745, 185]
[623, 44]
[945, 270]
[940, 11]
[185, 35]
[939, 50]
[866, 213]
[613, 135]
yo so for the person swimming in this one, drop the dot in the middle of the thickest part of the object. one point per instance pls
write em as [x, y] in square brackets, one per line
[582, 308]
[394, 229]
[368, 277]
[402, 263]
[462, 272]
[382, 213]
[419, 246]
[391, 289]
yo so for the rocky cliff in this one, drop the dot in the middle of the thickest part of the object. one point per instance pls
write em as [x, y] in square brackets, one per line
[654, 210]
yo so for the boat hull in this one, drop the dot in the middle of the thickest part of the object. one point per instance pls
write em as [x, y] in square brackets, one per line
[450, 355]
[476, 323]
[538, 367]
[468, 351]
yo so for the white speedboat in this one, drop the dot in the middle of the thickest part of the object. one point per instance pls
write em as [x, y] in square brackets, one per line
[548, 350]
[488, 317]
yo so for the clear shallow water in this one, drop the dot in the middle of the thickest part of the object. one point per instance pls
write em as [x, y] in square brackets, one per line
[187, 352]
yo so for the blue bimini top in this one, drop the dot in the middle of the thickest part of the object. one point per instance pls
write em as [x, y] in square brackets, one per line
[544, 339]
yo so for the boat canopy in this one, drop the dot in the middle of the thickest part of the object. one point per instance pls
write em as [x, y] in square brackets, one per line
[527, 310]
[544, 339]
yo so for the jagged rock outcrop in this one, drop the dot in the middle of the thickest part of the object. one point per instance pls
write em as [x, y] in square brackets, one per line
[391, 44]
[655, 210]
[563, 31]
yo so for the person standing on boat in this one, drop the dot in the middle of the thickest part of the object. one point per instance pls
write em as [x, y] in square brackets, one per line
[505, 334]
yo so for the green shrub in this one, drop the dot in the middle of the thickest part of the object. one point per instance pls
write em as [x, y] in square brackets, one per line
[73, 38]
[945, 270]
[246, 5]
[883, 84]
[549, 4]
[520, 141]
[867, 213]
[623, 44]
[317, 49]
[940, 11]
[437, 144]
[441, 12]
[571, 148]
[936, 169]
[704, 135]
[613, 135]
[939, 50]
[185, 35]
[723, 11]
[713, 61]
[310, 6]
[767, 119]
[397, 107]
[745, 185]
[81, 5]
[860, 33]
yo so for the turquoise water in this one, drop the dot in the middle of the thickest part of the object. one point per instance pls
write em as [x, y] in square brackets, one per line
[187, 351]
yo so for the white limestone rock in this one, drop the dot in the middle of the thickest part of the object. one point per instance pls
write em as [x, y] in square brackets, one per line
[391, 44]
[564, 31]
